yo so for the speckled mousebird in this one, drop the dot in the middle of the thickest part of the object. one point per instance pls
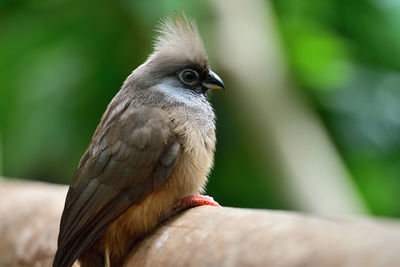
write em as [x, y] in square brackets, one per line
[152, 150]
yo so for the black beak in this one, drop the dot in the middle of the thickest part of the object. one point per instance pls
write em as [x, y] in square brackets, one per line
[213, 81]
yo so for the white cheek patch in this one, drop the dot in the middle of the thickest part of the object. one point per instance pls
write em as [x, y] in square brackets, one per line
[182, 95]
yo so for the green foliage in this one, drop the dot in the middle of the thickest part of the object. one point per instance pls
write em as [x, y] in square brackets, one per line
[352, 48]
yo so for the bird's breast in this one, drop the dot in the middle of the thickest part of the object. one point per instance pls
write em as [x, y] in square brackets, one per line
[196, 160]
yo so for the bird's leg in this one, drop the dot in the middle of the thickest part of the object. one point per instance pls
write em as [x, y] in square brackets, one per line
[194, 201]
[107, 258]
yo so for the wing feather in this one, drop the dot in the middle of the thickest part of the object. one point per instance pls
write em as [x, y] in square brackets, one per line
[128, 157]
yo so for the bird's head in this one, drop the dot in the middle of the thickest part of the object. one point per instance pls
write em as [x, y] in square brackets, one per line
[178, 68]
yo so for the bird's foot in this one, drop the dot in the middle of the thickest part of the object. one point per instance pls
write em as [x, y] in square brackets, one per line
[194, 201]
[198, 200]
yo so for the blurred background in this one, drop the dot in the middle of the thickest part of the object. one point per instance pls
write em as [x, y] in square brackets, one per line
[310, 119]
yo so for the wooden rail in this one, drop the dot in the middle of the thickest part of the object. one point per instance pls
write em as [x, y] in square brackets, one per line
[203, 236]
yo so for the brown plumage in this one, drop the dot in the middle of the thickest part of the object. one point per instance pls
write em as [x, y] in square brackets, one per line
[153, 146]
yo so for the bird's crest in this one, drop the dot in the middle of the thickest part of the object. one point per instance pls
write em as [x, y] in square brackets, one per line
[178, 35]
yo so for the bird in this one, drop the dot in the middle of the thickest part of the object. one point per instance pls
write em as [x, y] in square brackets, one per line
[150, 155]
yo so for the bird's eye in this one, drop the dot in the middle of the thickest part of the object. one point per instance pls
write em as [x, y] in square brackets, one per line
[189, 76]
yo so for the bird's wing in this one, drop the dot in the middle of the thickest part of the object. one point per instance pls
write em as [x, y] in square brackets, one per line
[128, 157]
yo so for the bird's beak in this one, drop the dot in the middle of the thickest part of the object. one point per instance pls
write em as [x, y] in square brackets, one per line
[213, 81]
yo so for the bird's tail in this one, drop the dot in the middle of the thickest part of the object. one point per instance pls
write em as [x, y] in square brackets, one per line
[87, 259]
[93, 260]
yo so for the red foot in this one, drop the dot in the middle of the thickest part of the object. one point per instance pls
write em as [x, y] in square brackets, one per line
[196, 200]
